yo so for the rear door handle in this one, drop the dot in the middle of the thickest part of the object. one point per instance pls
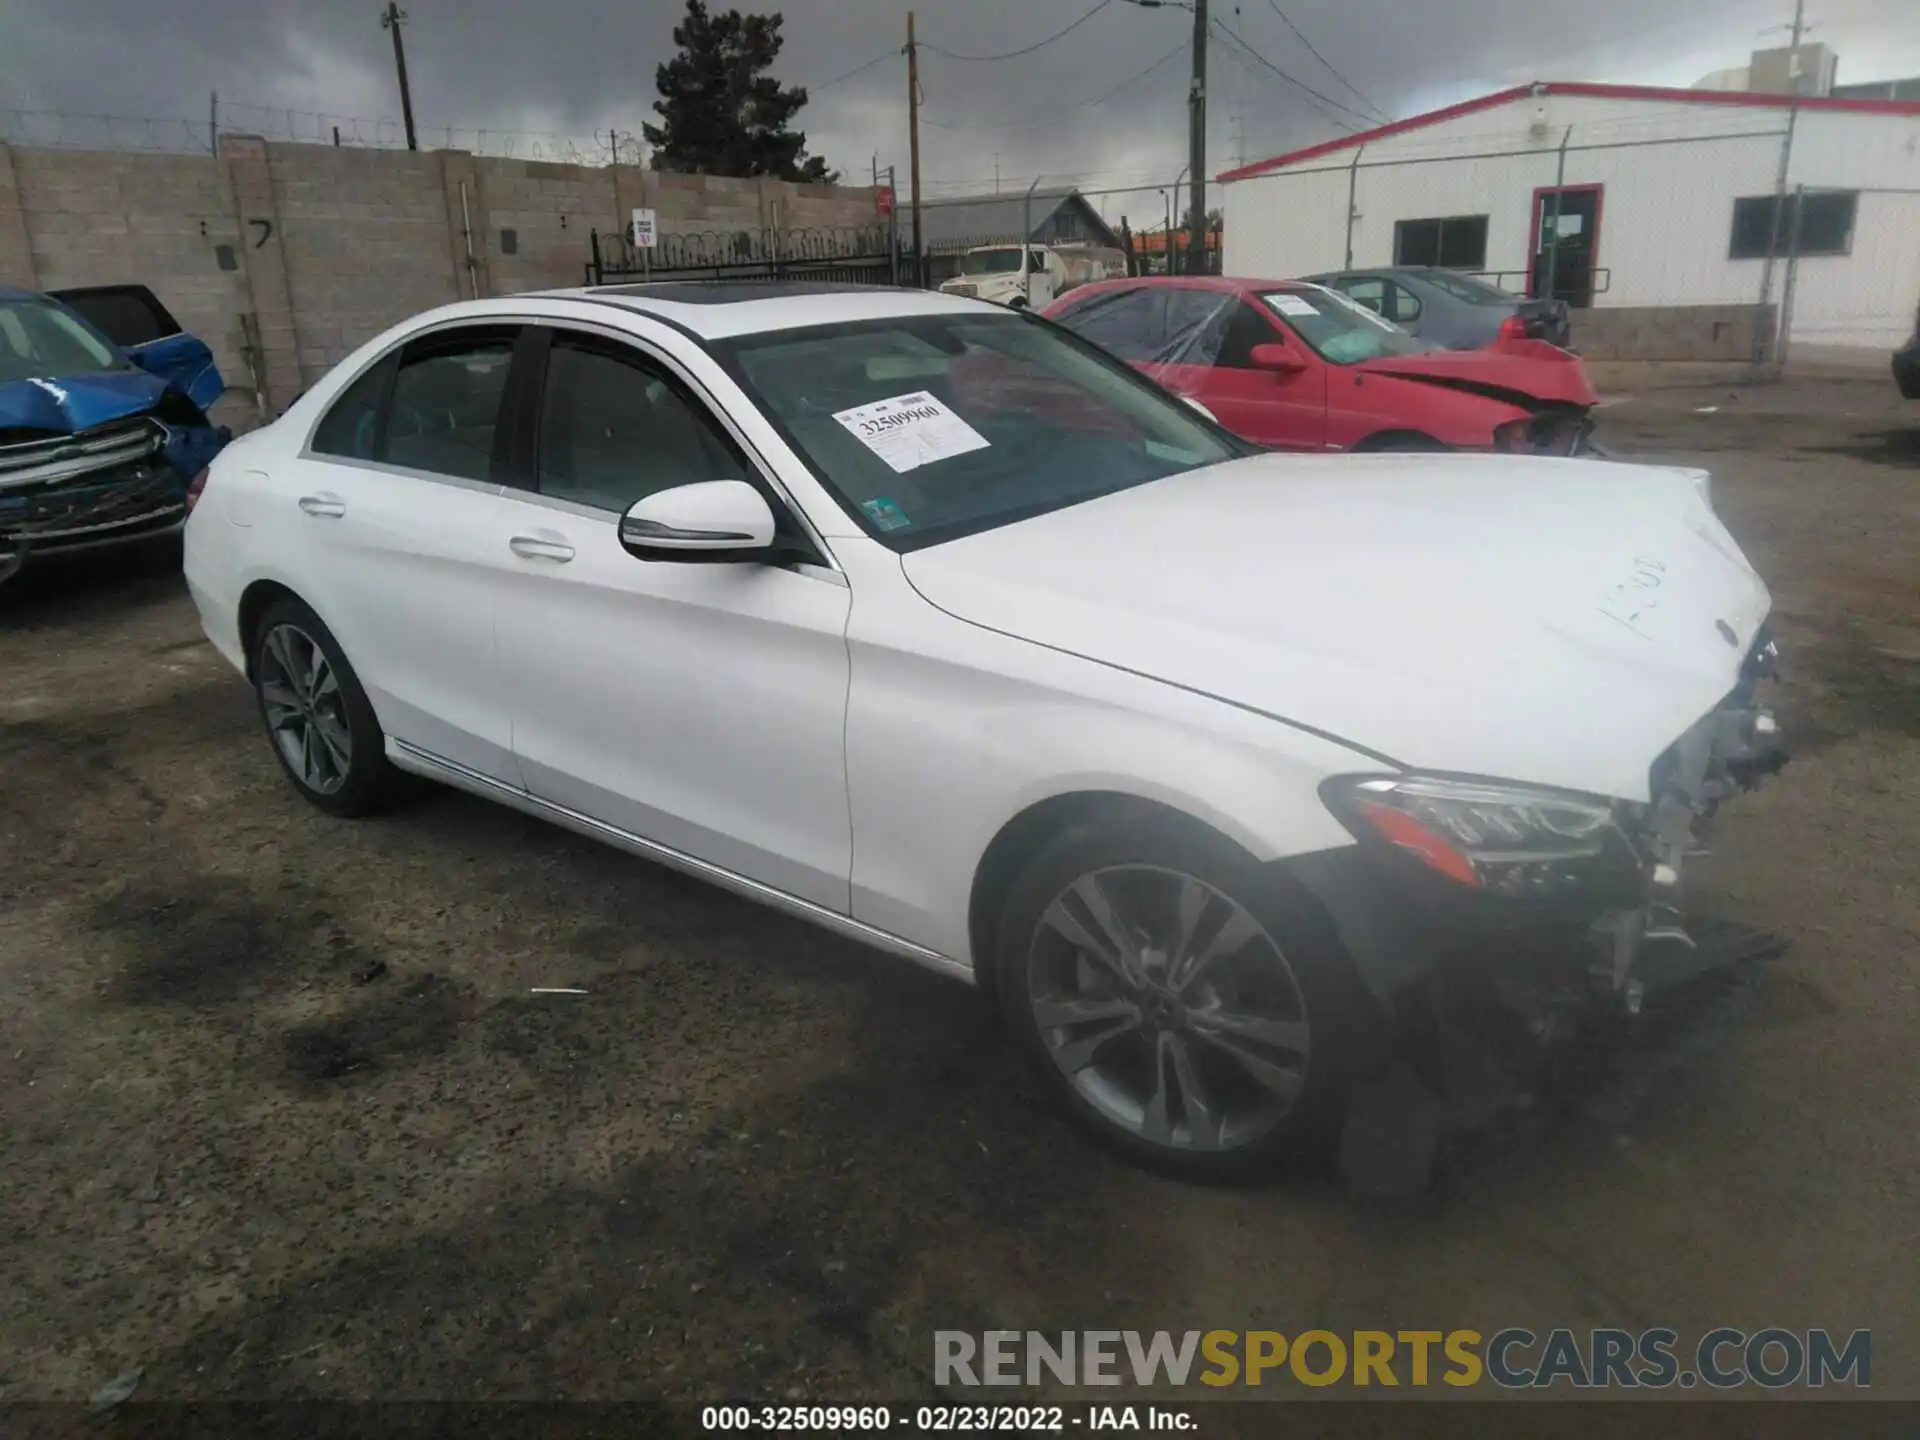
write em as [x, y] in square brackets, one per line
[541, 547]
[330, 506]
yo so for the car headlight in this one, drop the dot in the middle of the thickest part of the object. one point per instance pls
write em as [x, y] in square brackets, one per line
[1507, 839]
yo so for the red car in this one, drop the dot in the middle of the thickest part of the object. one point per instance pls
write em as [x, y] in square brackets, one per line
[1300, 367]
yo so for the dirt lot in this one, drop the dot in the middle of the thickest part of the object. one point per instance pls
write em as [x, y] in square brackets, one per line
[284, 1119]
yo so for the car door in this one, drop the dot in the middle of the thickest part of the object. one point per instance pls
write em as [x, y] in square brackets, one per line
[391, 514]
[699, 706]
[132, 317]
[1283, 409]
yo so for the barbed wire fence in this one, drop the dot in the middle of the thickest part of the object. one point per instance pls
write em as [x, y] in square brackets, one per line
[57, 129]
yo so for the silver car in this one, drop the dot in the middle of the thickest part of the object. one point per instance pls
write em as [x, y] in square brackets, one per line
[1450, 309]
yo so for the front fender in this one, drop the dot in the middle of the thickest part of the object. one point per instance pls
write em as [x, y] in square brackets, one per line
[953, 730]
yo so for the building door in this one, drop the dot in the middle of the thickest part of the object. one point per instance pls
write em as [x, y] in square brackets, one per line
[1574, 213]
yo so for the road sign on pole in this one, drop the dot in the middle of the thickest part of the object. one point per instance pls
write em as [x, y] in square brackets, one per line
[643, 229]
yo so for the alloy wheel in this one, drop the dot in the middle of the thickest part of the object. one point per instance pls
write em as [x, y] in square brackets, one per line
[1168, 1008]
[306, 712]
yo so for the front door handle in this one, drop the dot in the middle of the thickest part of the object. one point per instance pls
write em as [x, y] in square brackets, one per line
[540, 547]
[328, 506]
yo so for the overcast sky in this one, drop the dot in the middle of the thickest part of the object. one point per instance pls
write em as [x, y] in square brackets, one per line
[554, 71]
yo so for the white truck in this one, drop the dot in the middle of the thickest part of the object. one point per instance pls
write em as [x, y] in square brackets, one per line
[1031, 275]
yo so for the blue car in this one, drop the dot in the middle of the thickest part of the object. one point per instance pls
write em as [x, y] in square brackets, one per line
[103, 420]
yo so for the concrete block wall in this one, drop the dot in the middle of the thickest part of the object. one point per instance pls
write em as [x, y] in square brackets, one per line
[1671, 332]
[365, 238]
[287, 257]
[102, 217]
[552, 211]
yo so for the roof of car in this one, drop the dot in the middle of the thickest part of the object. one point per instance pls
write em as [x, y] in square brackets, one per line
[719, 309]
[1236, 284]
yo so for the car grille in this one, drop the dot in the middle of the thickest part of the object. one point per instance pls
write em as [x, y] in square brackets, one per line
[100, 485]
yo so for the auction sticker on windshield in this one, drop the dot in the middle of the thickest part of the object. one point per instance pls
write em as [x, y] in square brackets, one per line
[1291, 305]
[908, 431]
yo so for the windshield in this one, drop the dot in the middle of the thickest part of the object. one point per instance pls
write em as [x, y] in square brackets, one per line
[40, 341]
[929, 427]
[1340, 330]
[991, 262]
[1464, 287]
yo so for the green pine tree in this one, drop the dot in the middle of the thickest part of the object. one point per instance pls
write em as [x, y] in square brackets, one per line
[720, 112]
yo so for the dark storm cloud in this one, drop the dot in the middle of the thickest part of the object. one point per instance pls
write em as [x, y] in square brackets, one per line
[575, 68]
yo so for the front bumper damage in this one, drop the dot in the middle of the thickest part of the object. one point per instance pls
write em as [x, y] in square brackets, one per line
[1485, 999]
[113, 484]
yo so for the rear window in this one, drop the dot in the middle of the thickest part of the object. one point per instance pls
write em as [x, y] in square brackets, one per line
[1474, 292]
[128, 315]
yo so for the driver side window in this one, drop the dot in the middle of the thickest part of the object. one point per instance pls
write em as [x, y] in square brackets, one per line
[614, 430]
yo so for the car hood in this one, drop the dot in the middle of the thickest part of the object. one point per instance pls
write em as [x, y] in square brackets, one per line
[1518, 370]
[77, 402]
[1553, 621]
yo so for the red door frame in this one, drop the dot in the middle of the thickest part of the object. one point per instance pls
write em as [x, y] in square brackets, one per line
[1540, 193]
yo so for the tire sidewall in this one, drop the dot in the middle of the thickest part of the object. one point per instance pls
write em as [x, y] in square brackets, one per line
[1343, 1019]
[369, 776]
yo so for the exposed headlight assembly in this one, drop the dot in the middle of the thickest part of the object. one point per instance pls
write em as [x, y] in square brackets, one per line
[1505, 839]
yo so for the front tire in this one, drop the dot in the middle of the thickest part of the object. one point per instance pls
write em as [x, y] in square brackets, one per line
[1178, 1001]
[319, 721]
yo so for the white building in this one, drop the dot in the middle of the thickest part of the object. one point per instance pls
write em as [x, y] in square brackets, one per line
[1665, 202]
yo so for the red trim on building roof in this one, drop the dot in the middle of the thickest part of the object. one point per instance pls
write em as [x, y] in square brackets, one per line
[1571, 87]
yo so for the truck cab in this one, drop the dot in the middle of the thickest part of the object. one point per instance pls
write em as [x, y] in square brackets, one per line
[1014, 275]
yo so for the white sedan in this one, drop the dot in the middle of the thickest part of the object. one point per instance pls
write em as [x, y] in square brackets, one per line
[934, 625]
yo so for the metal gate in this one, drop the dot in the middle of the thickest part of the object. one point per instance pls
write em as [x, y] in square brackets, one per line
[859, 255]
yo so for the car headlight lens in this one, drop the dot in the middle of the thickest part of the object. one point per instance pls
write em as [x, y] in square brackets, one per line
[1508, 839]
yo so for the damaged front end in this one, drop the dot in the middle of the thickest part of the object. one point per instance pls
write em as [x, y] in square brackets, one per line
[114, 483]
[1492, 962]
[99, 445]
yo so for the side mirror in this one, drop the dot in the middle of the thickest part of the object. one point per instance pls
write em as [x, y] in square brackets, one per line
[1281, 359]
[708, 520]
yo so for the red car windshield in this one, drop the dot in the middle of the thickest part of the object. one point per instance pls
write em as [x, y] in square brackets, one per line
[1340, 331]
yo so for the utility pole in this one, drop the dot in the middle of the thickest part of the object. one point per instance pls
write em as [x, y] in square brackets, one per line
[913, 148]
[390, 19]
[1197, 144]
[213, 123]
[996, 172]
[1760, 336]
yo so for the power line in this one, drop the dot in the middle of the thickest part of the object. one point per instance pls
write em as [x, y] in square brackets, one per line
[1366, 121]
[1313, 50]
[1026, 49]
[1029, 118]
[857, 70]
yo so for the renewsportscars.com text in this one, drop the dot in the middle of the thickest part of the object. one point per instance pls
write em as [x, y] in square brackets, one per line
[1722, 1359]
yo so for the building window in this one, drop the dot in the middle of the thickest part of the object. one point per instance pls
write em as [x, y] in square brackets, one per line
[1459, 242]
[1826, 224]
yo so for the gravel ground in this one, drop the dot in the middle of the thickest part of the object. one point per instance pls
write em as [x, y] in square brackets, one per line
[284, 1119]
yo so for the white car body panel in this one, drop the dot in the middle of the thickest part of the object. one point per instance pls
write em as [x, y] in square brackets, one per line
[703, 706]
[953, 730]
[848, 741]
[1465, 613]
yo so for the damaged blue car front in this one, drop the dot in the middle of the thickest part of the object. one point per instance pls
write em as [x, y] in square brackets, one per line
[100, 443]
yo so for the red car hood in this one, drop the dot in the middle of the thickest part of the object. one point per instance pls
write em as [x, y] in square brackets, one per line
[1528, 369]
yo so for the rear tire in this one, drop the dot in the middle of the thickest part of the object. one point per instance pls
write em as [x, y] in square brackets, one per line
[318, 719]
[1210, 1028]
